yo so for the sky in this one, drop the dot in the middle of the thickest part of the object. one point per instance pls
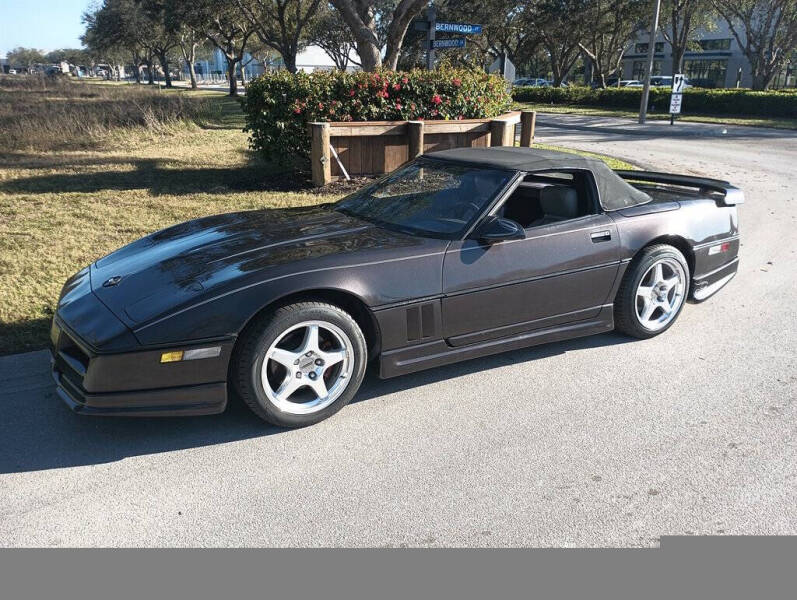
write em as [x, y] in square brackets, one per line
[42, 24]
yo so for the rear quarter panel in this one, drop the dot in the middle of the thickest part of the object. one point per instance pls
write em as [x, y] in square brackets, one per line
[699, 222]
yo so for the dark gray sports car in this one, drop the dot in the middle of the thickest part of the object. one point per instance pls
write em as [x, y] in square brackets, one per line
[455, 255]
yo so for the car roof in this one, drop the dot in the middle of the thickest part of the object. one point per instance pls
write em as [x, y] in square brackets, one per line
[613, 191]
[518, 159]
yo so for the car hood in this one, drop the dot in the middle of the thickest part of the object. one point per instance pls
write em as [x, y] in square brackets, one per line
[206, 257]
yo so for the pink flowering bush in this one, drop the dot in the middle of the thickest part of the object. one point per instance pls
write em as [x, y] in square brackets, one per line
[278, 106]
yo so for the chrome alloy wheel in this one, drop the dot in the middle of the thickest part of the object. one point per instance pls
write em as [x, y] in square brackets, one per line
[307, 367]
[660, 294]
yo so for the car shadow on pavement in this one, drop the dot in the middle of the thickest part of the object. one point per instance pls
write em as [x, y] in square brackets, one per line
[38, 432]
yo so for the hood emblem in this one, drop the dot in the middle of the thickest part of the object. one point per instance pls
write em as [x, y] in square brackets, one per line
[112, 281]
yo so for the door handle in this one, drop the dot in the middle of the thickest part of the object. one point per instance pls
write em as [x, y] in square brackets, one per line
[600, 236]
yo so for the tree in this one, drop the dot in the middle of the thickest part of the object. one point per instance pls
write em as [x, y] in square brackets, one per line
[177, 20]
[106, 33]
[766, 31]
[560, 27]
[74, 56]
[25, 57]
[613, 25]
[329, 32]
[504, 31]
[189, 40]
[161, 37]
[680, 19]
[227, 29]
[128, 24]
[281, 24]
[361, 17]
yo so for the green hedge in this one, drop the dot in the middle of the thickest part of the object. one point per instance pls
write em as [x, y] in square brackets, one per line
[700, 101]
[279, 105]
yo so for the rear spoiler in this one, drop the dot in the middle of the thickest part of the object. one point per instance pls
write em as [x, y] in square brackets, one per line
[731, 194]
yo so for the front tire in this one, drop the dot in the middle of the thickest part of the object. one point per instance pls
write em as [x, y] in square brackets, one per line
[652, 293]
[301, 364]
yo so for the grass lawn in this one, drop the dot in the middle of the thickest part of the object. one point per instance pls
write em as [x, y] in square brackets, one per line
[776, 122]
[62, 208]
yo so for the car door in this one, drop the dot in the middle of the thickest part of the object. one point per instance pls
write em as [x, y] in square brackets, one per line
[561, 272]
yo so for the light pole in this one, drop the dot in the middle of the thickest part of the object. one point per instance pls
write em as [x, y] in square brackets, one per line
[654, 28]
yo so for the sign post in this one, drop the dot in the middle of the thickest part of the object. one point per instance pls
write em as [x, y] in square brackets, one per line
[676, 96]
[431, 16]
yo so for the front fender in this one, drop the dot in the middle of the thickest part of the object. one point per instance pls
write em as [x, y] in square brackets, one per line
[374, 283]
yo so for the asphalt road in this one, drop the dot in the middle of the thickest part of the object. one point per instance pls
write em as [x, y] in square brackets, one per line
[597, 442]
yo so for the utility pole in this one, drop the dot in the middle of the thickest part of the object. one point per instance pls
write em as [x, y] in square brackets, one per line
[654, 28]
[431, 17]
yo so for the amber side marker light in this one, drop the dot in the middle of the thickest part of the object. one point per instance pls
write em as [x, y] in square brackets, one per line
[196, 353]
[167, 357]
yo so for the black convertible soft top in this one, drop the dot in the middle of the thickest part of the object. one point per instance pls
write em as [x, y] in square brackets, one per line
[614, 192]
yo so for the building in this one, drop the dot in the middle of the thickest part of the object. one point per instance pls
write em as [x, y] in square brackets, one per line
[312, 58]
[715, 61]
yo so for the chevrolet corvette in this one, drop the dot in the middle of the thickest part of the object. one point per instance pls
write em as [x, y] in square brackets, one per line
[456, 255]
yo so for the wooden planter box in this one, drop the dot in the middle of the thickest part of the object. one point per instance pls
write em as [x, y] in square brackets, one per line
[376, 147]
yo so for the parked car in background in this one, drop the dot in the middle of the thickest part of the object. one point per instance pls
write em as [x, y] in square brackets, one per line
[666, 81]
[610, 82]
[12, 71]
[631, 83]
[702, 83]
[533, 82]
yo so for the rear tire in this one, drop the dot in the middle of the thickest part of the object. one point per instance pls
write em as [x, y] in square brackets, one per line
[653, 292]
[300, 364]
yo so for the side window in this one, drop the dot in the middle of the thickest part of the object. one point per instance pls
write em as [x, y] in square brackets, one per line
[549, 197]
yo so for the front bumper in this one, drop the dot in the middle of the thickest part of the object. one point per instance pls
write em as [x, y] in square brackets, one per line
[208, 399]
[136, 383]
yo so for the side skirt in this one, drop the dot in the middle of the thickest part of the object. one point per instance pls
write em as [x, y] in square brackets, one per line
[438, 353]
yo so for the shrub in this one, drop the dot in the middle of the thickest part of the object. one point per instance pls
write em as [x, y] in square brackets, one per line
[278, 106]
[696, 100]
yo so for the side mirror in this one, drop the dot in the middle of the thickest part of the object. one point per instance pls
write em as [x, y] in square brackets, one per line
[498, 229]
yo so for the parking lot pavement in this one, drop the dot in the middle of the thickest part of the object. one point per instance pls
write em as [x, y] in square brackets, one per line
[602, 441]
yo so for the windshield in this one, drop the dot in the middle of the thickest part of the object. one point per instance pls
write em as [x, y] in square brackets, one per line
[427, 197]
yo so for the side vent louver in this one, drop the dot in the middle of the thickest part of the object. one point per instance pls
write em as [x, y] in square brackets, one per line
[420, 322]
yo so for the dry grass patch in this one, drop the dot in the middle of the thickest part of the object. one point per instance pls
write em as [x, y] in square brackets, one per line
[62, 209]
[46, 113]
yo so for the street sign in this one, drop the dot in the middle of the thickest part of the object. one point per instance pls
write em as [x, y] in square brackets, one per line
[449, 43]
[431, 26]
[678, 83]
[466, 28]
[676, 96]
[675, 104]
